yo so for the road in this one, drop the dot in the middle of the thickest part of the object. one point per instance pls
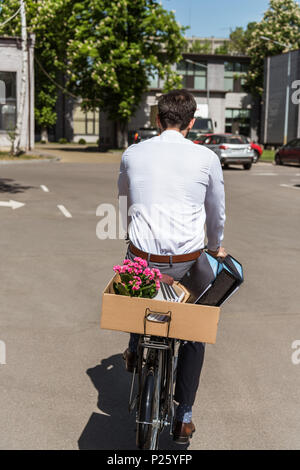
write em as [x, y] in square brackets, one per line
[64, 386]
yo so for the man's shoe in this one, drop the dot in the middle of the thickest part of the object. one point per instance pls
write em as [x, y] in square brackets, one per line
[130, 360]
[183, 432]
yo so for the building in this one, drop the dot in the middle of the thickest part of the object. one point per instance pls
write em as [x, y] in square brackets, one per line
[10, 85]
[274, 110]
[216, 80]
[73, 123]
[211, 44]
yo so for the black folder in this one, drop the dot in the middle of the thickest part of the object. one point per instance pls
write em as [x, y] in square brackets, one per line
[212, 281]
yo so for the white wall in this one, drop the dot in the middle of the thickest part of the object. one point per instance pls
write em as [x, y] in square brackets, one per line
[11, 61]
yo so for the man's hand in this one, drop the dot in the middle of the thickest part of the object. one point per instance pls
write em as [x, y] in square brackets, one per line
[219, 253]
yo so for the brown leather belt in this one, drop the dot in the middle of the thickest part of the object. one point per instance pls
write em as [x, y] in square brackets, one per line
[164, 258]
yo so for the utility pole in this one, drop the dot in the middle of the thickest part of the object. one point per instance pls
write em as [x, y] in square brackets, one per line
[22, 95]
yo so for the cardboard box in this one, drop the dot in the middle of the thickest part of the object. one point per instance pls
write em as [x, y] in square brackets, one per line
[187, 321]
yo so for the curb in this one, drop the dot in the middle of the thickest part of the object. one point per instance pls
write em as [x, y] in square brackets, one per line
[38, 160]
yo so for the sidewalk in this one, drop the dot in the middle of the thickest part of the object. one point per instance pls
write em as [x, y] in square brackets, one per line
[75, 153]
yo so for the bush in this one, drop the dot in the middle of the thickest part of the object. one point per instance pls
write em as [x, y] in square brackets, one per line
[42, 141]
[63, 140]
[82, 141]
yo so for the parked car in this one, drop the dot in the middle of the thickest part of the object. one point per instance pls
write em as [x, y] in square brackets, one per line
[231, 148]
[289, 153]
[255, 147]
[200, 127]
[201, 138]
[141, 134]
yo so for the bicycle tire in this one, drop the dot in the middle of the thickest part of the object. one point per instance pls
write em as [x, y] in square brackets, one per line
[154, 409]
[144, 428]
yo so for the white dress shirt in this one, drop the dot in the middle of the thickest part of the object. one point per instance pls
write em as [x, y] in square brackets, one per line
[174, 187]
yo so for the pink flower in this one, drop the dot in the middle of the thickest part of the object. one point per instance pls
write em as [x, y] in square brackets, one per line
[157, 273]
[141, 262]
[147, 272]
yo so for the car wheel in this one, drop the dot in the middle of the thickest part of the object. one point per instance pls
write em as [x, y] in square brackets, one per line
[278, 160]
[256, 156]
[225, 166]
[247, 166]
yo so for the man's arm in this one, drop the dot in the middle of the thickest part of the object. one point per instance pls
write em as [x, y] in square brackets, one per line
[123, 181]
[215, 208]
[123, 194]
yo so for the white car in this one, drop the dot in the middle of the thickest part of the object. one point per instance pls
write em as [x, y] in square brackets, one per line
[231, 149]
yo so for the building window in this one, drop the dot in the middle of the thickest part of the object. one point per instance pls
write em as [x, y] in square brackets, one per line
[234, 76]
[156, 81]
[193, 75]
[8, 102]
[237, 121]
[85, 122]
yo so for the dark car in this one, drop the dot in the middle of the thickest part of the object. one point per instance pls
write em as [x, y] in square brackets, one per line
[289, 153]
[144, 133]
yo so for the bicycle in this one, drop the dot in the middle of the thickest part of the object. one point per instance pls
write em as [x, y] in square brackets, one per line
[156, 372]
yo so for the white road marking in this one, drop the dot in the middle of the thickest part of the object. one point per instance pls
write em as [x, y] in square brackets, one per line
[44, 188]
[65, 212]
[12, 204]
[289, 186]
[264, 174]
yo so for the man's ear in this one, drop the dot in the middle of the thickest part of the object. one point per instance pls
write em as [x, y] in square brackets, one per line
[158, 123]
[191, 124]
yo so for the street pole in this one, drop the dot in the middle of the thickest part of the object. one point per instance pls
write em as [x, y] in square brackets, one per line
[22, 94]
[208, 91]
[287, 101]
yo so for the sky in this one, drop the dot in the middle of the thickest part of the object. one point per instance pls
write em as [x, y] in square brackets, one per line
[215, 17]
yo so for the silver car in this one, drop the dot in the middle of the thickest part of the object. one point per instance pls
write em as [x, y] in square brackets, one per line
[231, 148]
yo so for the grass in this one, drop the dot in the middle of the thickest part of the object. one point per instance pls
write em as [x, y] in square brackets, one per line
[267, 156]
[8, 156]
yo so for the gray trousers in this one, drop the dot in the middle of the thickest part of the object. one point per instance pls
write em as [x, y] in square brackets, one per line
[191, 354]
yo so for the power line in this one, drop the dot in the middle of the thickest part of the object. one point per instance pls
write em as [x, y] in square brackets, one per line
[64, 90]
[11, 18]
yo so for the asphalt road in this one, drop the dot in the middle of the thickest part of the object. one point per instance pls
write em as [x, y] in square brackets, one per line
[64, 386]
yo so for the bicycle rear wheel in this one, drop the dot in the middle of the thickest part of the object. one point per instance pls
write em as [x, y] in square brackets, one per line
[145, 413]
[148, 417]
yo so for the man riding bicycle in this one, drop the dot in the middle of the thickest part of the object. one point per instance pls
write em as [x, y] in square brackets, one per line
[174, 187]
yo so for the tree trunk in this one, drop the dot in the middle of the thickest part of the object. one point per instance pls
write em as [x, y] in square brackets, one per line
[22, 95]
[44, 134]
[122, 135]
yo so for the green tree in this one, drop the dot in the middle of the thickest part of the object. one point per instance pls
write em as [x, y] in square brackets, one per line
[239, 42]
[117, 46]
[48, 20]
[281, 23]
[224, 49]
[200, 47]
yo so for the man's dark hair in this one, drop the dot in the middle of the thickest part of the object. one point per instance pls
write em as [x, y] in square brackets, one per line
[176, 109]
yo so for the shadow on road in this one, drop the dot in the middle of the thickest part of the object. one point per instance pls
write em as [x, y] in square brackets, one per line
[8, 185]
[114, 428]
[77, 149]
